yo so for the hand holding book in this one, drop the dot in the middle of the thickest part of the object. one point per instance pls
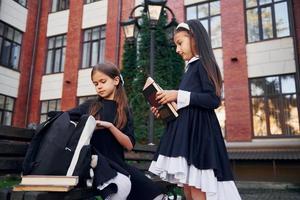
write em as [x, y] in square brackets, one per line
[167, 96]
[160, 100]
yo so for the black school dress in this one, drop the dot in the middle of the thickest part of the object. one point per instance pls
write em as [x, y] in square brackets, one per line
[192, 149]
[106, 144]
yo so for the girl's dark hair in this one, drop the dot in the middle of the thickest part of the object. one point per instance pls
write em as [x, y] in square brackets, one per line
[204, 50]
[120, 97]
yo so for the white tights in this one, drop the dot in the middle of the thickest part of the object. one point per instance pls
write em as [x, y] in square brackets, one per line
[124, 186]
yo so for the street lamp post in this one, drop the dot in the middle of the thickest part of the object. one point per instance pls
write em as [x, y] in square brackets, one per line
[154, 9]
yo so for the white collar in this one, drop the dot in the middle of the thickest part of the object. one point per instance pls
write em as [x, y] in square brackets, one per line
[193, 59]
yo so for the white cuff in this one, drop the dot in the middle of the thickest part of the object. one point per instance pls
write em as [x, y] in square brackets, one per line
[183, 99]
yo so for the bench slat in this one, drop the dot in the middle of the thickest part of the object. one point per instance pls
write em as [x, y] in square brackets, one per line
[16, 133]
[143, 166]
[76, 193]
[9, 147]
[11, 164]
[138, 156]
[145, 148]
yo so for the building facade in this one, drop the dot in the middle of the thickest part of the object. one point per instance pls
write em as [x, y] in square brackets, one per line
[47, 49]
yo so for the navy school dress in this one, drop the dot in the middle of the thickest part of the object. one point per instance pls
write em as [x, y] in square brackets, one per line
[106, 144]
[192, 149]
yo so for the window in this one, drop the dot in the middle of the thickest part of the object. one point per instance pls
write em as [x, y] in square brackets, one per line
[267, 19]
[220, 112]
[47, 106]
[21, 2]
[10, 46]
[209, 14]
[274, 106]
[58, 5]
[85, 98]
[93, 46]
[90, 1]
[56, 54]
[6, 110]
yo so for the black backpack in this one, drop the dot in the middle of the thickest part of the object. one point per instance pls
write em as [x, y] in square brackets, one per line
[61, 147]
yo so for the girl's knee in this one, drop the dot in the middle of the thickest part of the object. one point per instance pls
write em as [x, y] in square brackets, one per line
[124, 186]
[197, 194]
[187, 192]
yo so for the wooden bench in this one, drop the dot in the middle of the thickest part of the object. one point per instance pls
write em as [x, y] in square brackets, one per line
[141, 157]
[14, 143]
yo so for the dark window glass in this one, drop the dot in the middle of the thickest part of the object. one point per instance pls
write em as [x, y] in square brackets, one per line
[267, 19]
[91, 1]
[6, 110]
[10, 46]
[56, 54]
[47, 106]
[274, 106]
[209, 14]
[58, 5]
[21, 2]
[83, 99]
[93, 46]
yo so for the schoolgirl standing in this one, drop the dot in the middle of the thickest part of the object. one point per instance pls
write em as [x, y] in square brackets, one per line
[192, 152]
[114, 131]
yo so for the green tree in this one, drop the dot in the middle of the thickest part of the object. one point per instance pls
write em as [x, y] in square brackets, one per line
[168, 67]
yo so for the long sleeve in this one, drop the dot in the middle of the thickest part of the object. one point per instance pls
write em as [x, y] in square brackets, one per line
[77, 112]
[196, 89]
[207, 98]
[128, 129]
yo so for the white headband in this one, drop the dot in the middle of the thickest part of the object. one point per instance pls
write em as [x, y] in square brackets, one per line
[183, 25]
[122, 79]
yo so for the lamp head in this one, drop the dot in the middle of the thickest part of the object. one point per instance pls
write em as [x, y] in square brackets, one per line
[154, 9]
[130, 29]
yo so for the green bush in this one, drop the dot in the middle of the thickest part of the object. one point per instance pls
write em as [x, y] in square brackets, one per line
[9, 181]
[168, 68]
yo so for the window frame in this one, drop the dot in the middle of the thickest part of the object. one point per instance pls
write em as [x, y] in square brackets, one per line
[58, 4]
[54, 49]
[57, 107]
[18, 1]
[13, 44]
[209, 18]
[4, 110]
[259, 16]
[280, 97]
[82, 99]
[91, 1]
[90, 41]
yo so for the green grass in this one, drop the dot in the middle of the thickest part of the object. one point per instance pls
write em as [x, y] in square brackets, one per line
[9, 181]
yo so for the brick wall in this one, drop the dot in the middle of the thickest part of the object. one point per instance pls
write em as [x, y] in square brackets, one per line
[73, 56]
[112, 26]
[178, 9]
[127, 6]
[20, 111]
[238, 117]
[39, 65]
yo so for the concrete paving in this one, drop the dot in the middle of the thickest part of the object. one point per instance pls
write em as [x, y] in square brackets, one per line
[268, 191]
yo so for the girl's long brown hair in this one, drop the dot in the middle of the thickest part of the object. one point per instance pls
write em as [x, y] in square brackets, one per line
[120, 97]
[204, 50]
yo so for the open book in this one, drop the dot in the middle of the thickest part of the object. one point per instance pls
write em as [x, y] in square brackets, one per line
[167, 111]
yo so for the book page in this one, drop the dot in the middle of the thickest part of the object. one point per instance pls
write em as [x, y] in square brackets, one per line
[149, 81]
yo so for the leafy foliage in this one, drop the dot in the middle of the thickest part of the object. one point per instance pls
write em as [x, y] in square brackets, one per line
[168, 67]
